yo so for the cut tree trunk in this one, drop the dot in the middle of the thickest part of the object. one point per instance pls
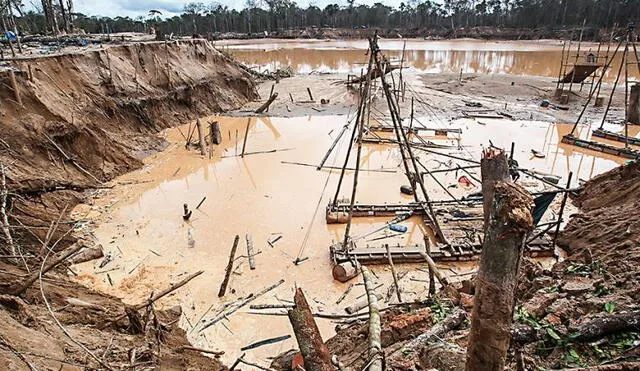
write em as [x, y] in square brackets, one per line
[314, 352]
[494, 168]
[214, 129]
[510, 222]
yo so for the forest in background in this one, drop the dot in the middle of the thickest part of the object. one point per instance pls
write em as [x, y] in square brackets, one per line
[56, 17]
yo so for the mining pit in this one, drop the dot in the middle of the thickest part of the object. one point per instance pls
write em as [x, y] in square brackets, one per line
[111, 137]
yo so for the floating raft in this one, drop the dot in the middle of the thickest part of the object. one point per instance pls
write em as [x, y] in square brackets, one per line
[338, 214]
[601, 133]
[601, 147]
[369, 255]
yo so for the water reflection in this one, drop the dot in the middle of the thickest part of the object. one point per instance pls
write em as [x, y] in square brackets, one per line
[424, 56]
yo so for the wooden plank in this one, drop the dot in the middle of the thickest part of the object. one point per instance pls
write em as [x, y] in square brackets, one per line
[601, 133]
[601, 147]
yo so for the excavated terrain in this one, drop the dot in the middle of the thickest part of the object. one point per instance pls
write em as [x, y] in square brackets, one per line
[86, 118]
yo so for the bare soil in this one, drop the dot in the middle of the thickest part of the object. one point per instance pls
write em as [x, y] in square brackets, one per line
[86, 118]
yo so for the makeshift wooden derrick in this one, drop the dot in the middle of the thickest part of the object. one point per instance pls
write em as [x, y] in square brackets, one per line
[314, 352]
[344, 213]
[505, 235]
[632, 113]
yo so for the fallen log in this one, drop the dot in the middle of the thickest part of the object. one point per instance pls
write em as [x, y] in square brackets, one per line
[359, 305]
[433, 268]
[510, 222]
[244, 302]
[64, 255]
[314, 352]
[607, 325]
[266, 104]
[232, 254]
[344, 272]
[88, 254]
[375, 329]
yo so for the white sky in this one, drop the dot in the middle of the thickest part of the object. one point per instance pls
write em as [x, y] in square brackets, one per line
[134, 8]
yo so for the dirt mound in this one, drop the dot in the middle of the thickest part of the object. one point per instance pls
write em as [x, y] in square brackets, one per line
[84, 119]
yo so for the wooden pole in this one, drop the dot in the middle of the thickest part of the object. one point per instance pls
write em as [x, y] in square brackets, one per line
[310, 95]
[232, 254]
[246, 135]
[375, 345]
[214, 131]
[14, 86]
[314, 352]
[562, 205]
[393, 273]
[250, 253]
[265, 106]
[505, 235]
[203, 143]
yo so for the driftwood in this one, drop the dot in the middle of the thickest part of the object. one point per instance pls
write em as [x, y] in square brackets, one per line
[375, 329]
[229, 269]
[265, 342]
[203, 143]
[64, 255]
[436, 272]
[213, 352]
[393, 273]
[88, 254]
[510, 222]
[266, 104]
[244, 302]
[314, 352]
[359, 305]
[250, 253]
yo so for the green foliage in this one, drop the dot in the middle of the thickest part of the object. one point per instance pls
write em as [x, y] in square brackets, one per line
[439, 310]
[610, 306]
[586, 270]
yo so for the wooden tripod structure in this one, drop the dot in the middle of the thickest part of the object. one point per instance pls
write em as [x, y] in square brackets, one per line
[422, 205]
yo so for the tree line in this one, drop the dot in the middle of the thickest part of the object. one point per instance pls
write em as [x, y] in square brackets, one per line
[259, 16]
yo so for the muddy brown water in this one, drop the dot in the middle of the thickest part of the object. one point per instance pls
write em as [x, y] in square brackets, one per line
[533, 58]
[140, 224]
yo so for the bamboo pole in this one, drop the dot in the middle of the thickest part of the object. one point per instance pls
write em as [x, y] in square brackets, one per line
[246, 135]
[232, 254]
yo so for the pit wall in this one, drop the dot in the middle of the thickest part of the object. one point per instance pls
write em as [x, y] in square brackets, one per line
[90, 116]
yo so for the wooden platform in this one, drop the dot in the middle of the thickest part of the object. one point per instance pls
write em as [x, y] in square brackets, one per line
[335, 212]
[411, 254]
[601, 133]
[582, 72]
[601, 147]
